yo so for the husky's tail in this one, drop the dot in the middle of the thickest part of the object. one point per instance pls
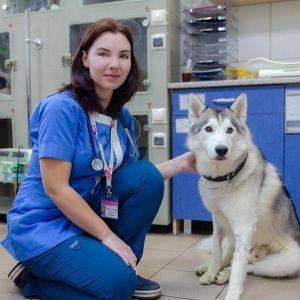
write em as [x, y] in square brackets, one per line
[206, 244]
[283, 264]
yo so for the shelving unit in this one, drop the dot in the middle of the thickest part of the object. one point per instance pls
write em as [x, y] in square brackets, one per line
[5, 205]
[13, 165]
[6, 197]
[211, 41]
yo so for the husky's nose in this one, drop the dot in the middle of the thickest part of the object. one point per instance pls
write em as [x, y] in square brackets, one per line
[221, 150]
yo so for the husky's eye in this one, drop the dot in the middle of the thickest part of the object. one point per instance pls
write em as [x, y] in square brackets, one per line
[208, 129]
[230, 130]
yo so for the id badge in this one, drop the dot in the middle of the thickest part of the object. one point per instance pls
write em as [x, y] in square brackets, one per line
[109, 208]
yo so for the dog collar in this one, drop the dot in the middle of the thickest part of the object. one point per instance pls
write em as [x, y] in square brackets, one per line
[228, 177]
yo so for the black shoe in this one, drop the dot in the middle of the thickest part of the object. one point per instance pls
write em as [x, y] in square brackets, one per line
[146, 289]
[19, 275]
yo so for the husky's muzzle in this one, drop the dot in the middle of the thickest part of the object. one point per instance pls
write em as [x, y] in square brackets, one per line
[221, 151]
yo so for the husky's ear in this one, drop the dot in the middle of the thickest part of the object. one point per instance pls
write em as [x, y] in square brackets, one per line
[239, 107]
[196, 108]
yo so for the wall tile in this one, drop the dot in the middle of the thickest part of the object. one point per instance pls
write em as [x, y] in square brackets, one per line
[253, 32]
[285, 30]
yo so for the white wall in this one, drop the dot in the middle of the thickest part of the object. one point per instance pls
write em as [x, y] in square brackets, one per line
[270, 31]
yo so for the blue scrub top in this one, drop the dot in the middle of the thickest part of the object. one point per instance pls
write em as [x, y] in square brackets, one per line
[58, 129]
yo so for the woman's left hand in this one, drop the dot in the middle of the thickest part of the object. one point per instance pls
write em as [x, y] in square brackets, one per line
[182, 163]
[189, 162]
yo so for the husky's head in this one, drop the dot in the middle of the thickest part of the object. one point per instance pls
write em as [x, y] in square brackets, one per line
[218, 134]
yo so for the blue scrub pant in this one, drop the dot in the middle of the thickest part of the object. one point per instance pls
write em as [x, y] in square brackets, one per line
[81, 267]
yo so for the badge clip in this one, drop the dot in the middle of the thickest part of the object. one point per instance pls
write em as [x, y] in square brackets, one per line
[109, 192]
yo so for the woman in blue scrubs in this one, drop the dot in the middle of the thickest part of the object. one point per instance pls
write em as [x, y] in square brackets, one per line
[79, 220]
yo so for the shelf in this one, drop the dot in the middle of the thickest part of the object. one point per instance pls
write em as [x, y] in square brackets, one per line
[243, 2]
[5, 205]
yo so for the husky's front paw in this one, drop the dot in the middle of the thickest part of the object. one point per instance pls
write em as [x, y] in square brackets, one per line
[200, 270]
[207, 278]
[223, 276]
[232, 295]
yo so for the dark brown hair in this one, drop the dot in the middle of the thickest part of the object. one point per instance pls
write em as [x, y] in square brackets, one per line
[82, 84]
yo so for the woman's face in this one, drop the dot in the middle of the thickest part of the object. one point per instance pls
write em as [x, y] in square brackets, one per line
[109, 62]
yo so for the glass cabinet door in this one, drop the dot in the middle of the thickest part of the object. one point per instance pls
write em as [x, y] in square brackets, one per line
[32, 43]
[19, 6]
[5, 76]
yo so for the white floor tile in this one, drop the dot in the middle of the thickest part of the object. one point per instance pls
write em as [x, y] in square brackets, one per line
[185, 285]
[171, 260]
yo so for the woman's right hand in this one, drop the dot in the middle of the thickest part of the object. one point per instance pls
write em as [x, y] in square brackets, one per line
[113, 242]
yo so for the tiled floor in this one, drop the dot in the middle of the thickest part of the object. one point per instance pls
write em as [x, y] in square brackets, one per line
[170, 260]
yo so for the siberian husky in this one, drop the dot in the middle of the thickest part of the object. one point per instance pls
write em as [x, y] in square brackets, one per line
[251, 209]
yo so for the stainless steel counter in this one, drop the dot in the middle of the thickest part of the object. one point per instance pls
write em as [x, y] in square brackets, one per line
[236, 82]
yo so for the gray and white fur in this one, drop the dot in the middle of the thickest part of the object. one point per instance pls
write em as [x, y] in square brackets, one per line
[253, 214]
